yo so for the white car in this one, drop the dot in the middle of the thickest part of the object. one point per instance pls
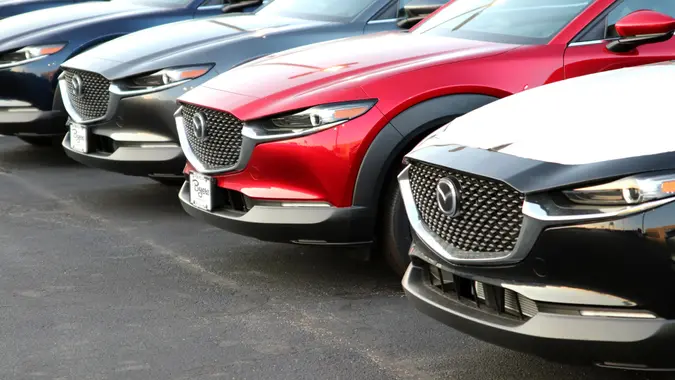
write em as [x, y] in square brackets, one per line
[545, 222]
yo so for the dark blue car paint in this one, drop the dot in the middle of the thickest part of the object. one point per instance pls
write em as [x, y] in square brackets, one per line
[10, 8]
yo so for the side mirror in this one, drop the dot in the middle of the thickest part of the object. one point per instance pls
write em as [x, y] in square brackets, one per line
[640, 28]
[237, 6]
[417, 10]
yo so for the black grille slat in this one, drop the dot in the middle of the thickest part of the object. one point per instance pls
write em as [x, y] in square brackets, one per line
[223, 144]
[93, 103]
[490, 216]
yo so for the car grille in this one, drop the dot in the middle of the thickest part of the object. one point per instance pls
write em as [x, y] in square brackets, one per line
[490, 212]
[93, 102]
[220, 149]
[486, 297]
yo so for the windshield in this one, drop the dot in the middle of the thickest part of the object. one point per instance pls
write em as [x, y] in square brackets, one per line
[324, 10]
[506, 21]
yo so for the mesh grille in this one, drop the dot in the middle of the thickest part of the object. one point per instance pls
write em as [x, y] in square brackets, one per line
[93, 102]
[223, 143]
[490, 215]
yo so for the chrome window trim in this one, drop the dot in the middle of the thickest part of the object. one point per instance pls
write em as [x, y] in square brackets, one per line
[592, 42]
[209, 7]
[584, 43]
[372, 22]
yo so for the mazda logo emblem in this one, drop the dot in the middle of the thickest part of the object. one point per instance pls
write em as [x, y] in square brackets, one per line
[199, 125]
[447, 196]
[76, 86]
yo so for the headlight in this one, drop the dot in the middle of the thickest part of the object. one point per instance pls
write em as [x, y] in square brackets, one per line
[627, 191]
[168, 76]
[317, 118]
[30, 53]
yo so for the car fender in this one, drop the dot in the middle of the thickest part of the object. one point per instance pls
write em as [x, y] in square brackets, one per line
[407, 127]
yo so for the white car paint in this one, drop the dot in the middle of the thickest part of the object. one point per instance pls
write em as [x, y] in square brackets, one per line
[599, 117]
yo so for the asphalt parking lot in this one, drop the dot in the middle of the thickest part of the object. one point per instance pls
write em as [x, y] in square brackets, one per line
[105, 277]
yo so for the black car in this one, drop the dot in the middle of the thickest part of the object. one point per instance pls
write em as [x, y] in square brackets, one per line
[546, 224]
[33, 45]
[14, 7]
[121, 95]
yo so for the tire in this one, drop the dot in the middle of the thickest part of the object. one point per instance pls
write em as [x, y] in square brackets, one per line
[166, 181]
[394, 233]
[41, 141]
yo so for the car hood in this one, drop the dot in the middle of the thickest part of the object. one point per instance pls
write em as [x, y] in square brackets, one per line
[599, 126]
[52, 21]
[176, 43]
[298, 77]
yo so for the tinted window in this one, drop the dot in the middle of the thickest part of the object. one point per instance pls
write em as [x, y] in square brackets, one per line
[330, 10]
[389, 12]
[508, 21]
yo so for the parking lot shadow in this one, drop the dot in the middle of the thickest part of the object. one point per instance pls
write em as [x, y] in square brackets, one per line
[17, 155]
[140, 198]
[314, 271]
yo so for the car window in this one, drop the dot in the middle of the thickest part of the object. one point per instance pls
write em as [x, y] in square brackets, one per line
[389, 12]
[393, 10]
[629, 6]
[507, 21]
[328, 10]
[214, 2]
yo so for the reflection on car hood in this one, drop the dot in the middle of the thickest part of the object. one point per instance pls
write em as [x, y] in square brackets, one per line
[52, 21]
[167, 44]
[298, 77]
[601, 117]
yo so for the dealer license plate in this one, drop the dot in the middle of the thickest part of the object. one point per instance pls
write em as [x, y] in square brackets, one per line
[78, 138]
[201, 191]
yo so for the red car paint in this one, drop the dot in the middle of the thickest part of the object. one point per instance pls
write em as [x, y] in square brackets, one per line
[399, 70]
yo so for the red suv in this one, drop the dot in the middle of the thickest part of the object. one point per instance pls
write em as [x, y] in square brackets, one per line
[304, 146]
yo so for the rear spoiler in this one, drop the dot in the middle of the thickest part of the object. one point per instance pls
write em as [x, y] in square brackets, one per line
[417, 10]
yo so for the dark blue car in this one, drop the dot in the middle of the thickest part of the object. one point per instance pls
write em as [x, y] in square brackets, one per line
[33, 45]
[14, 7]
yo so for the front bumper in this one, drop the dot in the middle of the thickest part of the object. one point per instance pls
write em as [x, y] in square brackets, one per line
[136, 158]
[597, 292]
[29, 106]
[298, 223]
[28, 121]
[608, 342]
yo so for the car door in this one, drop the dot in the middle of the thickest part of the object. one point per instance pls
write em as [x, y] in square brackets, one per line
[588, 54]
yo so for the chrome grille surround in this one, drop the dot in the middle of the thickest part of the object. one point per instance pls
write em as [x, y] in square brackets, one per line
[221, 149]
[93, 102]
[490, 216]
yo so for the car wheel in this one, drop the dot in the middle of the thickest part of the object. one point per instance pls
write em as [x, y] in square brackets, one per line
[395, 236]
[41, 141]
[169, 181]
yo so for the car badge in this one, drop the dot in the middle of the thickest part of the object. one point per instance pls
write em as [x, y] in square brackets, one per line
[447, 196]
[199, 125]
[76, 86]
